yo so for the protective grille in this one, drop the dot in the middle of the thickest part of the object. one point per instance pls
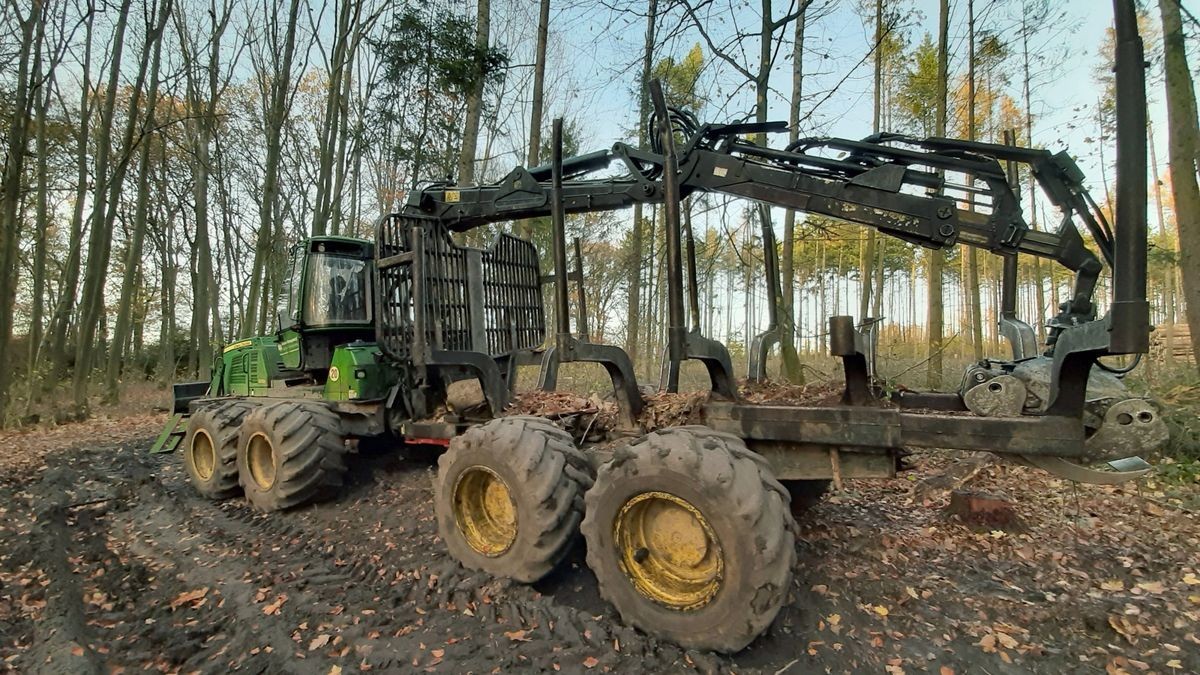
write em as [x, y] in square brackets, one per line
[514, 315]
[504, 314]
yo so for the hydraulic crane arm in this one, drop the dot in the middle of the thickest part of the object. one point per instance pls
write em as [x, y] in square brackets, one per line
[933, 192]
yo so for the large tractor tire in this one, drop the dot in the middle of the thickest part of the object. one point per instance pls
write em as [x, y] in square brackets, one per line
[289, 454]
[805, 493]
[509, 497]
[210, 448]
[690, 538]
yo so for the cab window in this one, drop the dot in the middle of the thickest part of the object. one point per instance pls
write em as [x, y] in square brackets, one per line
[339, 290]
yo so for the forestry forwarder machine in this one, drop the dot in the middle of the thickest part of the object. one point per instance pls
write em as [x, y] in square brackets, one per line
[688, 529]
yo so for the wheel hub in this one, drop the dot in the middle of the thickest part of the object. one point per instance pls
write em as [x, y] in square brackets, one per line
[668, 550]
[203, 455]
[260, 456]
[484, 511]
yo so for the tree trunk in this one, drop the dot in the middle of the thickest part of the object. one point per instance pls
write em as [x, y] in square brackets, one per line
[535, 115]
[792, 369]
[867, 259]
[971, 291]
[1183, 135]
[64, 308]
[166, 342]
[634, 264]
[470, 137]
[280, 86]
[41, 228]
[937, 260]
[332, 137]
[1040, 287]
[92, 302]
[133, 251]
[22, 101]
[1168, 281]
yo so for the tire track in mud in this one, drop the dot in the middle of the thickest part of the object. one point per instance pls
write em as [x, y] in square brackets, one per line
[125, 577]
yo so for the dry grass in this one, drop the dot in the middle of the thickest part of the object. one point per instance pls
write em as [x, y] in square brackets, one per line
[57, 407]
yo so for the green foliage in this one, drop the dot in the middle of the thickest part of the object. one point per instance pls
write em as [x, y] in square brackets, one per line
[680, 77]
[918, 94]
[430, 63]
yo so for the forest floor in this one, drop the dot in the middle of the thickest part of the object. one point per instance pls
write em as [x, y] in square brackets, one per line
[110, 563]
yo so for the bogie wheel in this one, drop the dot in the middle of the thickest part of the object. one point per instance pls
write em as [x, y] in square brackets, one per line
[509, 497]
[805, 493]
[290, 453]
[690, 538]
[210, 448]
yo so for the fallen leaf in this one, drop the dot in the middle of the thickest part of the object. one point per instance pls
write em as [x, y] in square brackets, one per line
[1151, 586]
[335, 669]
[1112, 585]
[988, 643]
[1174, 664]
[881, 610]
[438, 653]
[318, 642]
[945, 670]
[189, 598]
[516, 635]
[273, 608]
[590, 662]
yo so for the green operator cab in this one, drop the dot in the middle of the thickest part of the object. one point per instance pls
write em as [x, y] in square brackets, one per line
[324, 339]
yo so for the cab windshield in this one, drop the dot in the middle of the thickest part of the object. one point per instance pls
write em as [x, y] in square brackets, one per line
[339, 290]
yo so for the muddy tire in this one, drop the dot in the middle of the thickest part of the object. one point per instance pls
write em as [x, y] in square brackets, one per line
[289, 454]
[210, 448]
[509, 497]
[690, 538]
[805, 494]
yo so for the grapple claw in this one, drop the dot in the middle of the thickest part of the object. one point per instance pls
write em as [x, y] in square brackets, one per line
[1078, 473]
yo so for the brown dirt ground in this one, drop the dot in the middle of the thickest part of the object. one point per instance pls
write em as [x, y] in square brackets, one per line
[109, 562]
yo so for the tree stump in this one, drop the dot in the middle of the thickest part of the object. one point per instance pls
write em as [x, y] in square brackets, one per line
[955, 475]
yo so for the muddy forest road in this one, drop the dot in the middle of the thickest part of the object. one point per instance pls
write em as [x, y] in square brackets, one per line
[110, 563]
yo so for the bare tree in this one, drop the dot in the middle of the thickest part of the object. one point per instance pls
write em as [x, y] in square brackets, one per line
[770, 37]
[106, 195]
[277, 91]
[23, 98]
[791, 316]
[133, 250]
[535, 114]
[470, 137]
[937, 259]
[334, 135]
[1183, 136]
[636, 245]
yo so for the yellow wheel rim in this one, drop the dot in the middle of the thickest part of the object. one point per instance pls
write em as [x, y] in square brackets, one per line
[202, 454]
[484, 511]
[260, 457]
[668, 550]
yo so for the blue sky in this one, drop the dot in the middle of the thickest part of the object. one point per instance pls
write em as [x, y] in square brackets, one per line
[596, 51]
